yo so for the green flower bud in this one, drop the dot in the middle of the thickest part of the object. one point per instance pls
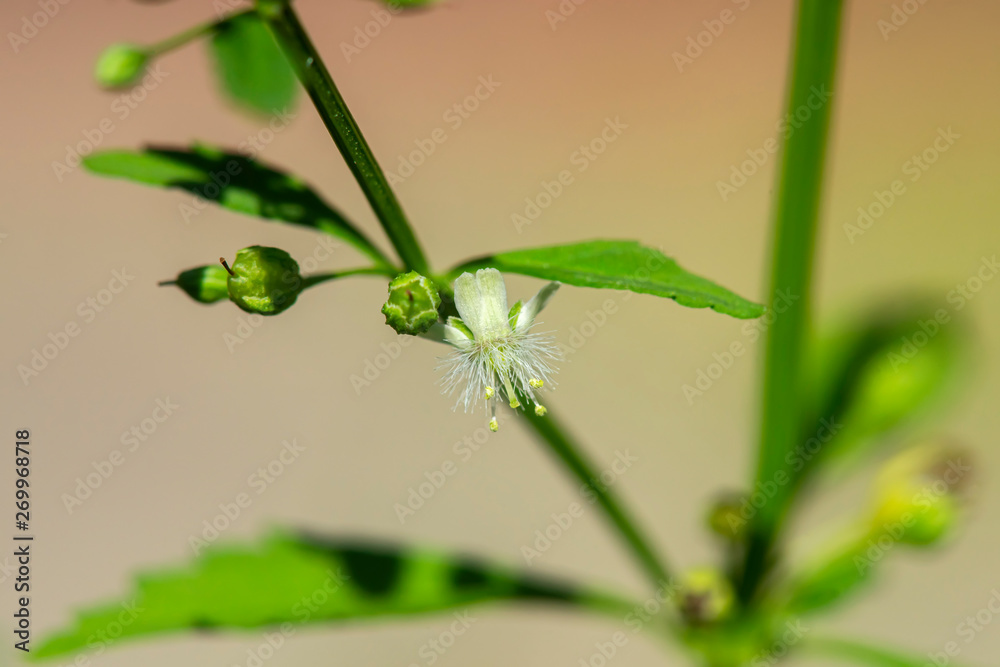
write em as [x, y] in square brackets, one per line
[121, 65]
[206, 284]
[724, 518]
[918, 499]
[914, 515]
[264, 280]
[706, 595]
[412, 306]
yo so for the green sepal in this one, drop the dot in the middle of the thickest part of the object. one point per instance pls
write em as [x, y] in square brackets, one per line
[457, 323]
[264, 280]
[515, 310]
[205, 284]
[412, 306]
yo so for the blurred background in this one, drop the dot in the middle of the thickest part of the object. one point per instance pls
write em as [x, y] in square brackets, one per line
[685, 125]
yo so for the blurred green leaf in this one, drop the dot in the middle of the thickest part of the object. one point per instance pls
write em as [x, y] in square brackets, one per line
[235, 182]
[860, 653]
[250, 66]
[838, 573]
[301, 579]
[877, 373]
[205, 284]
[623, 265]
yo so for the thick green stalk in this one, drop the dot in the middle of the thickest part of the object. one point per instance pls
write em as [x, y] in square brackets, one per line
[563, 447]
[796, 208]
[306, 61]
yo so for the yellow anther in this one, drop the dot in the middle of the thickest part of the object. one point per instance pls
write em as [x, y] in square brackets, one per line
[494, 425]
[535, 383]
[514, 403]
[540, 410]
[489, 393]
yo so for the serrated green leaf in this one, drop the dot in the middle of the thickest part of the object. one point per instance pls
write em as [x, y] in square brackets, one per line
[623, 265]
[304, 579]
[234, 182]
[861, 653]
[251, 69]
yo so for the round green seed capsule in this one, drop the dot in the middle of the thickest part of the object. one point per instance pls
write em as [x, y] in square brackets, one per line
[264, 280]
[121, 65]
[412, 306]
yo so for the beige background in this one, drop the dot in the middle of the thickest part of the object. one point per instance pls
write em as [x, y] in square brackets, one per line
[622, 390]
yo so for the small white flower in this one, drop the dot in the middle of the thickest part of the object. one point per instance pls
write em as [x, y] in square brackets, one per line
[496, 353]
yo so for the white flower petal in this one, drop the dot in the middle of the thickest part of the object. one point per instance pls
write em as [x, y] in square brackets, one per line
[534, 306]
[467, 300]
[482, 303]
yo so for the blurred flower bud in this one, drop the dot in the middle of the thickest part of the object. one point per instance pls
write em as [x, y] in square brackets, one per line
[919, 493]
[724, 518]
[706, 596]
[264, 280]
[121, 65]
[412, 306]
[206, 284]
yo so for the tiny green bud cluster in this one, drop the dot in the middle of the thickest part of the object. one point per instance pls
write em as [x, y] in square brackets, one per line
[264, 280]
[121, 65]
[412, 306]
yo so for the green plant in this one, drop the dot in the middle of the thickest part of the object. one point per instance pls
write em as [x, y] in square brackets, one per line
[827, 401]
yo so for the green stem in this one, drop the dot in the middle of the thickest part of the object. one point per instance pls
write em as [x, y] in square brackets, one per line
[796, 208]
[319, 278]
[312, 72]
[562, 446]
[191, 34]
